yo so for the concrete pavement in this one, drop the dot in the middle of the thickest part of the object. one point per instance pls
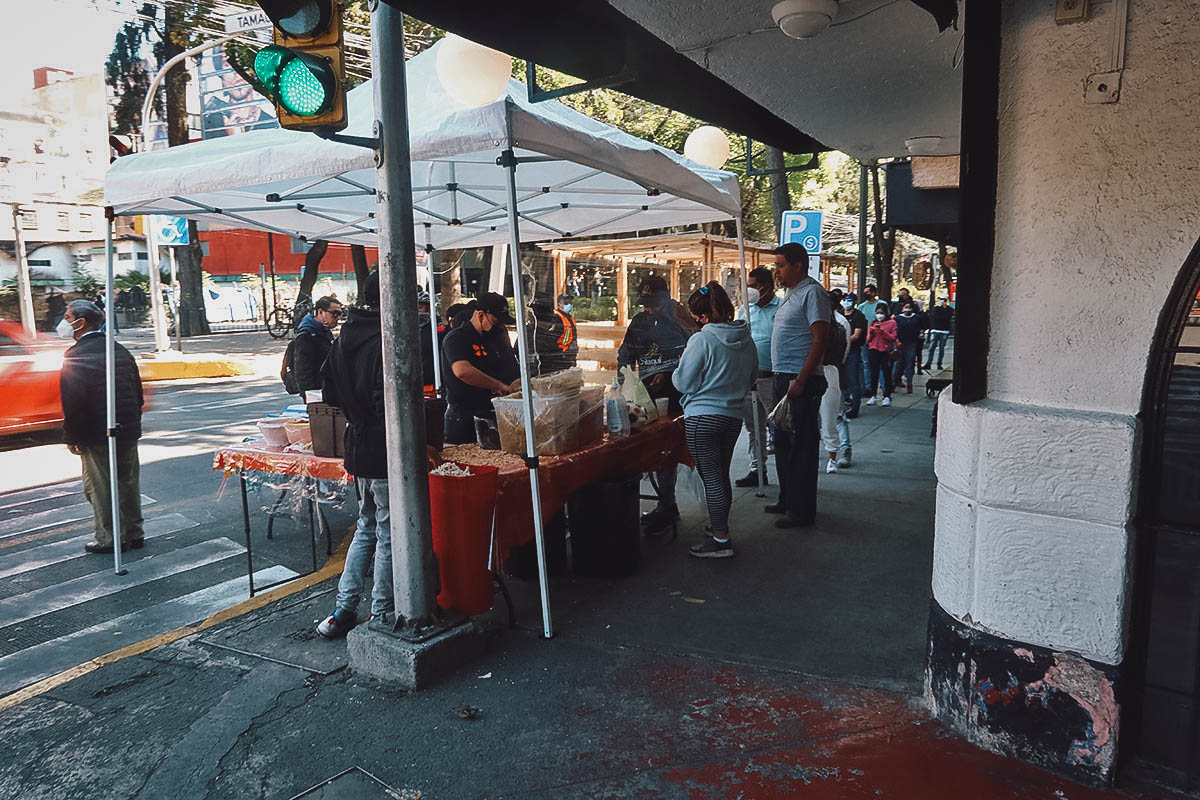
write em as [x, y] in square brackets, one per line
[794, 669]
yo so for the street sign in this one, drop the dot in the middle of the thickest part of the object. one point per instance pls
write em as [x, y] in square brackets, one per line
[250, 20]
[804, 228]
[170, 231]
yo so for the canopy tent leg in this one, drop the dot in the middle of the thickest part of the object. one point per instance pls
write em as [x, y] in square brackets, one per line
[508, 160]
[433, 310]
[110, 394]
[760, 456]
[175, 286]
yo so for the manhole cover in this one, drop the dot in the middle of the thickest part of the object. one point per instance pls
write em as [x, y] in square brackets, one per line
[356, 784]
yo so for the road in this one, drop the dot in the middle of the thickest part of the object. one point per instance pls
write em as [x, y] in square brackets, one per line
[60, 607]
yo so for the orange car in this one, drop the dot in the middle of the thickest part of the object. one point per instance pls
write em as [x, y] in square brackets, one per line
[29, 398]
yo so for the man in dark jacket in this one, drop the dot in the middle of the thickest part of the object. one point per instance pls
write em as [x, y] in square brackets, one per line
[353, 381]
[314, 337]
[85, 416]
[941, 317]
[654, 341]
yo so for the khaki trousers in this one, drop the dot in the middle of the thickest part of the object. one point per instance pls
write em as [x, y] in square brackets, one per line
[129, 490]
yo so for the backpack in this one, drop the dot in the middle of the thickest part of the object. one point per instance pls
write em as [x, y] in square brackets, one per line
[835, 348]
[287, 373]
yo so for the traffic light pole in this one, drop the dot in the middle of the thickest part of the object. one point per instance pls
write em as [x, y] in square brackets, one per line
[414, 569]
[161, 342]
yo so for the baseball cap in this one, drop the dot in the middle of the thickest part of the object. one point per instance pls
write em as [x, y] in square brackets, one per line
[497, 306]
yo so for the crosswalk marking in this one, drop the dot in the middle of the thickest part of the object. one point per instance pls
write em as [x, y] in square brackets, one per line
[15, 563]
[56, 597]
[34, 663]
[14, 499]
[18, 525]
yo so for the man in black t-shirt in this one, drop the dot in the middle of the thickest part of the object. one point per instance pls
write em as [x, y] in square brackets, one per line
[480, 365]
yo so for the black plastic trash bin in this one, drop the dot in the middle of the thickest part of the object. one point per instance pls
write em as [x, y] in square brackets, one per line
[522, 559]
[606, 536]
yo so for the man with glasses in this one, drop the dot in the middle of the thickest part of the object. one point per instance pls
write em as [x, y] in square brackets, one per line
[481, 365]
[308, 350]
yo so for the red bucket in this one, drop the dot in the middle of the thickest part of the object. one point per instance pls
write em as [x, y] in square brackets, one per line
[461, 511]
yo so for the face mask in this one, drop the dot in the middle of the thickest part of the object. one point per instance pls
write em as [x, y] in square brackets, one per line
[908, 312]
[753, 295]
[64, 329]
[881, 317]
[567, 307]
[847, 304]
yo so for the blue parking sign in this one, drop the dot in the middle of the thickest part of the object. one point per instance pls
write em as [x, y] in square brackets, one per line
[804, 228]
[170, 231]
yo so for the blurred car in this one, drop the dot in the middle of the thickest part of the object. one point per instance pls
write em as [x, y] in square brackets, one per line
[29, 368]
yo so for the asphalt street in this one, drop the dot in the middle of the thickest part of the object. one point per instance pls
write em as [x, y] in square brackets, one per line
[60, 606]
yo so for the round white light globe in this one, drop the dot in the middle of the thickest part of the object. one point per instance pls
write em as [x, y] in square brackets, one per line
[708, 146]
[470, 73]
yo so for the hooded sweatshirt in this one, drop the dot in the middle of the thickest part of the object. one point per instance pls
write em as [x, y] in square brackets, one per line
[716, 370]
[313, 341]
[353, 376]
[655, 339]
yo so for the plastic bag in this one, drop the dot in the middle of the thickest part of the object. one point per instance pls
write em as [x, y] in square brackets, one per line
[781, 415]
[691, 483]
[636, 393]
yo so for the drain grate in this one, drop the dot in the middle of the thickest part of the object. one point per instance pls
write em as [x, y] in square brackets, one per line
[356, 784]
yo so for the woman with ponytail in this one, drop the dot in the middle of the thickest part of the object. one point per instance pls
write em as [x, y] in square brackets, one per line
[714, 375]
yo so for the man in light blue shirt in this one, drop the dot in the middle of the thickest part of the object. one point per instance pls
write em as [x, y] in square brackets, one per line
[798, 342]
[764, 303]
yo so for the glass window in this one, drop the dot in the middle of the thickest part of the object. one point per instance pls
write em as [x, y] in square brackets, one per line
[124, 256]
[29, 220]
[64, 220]
[85, 221]
[1179, 501]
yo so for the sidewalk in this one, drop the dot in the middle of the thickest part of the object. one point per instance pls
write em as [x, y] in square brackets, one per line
[218, 355]
[793, 670]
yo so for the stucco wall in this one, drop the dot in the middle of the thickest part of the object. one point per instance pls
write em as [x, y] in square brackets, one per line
[1097, 208]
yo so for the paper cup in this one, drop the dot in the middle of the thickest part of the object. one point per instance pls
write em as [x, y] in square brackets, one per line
[663, 405]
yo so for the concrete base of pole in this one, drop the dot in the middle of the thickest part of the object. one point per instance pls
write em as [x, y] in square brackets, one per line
[413, 665]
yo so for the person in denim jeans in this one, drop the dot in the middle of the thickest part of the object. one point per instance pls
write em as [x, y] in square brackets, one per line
[908, 341]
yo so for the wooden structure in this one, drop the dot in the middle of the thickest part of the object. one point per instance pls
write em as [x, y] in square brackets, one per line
[716, 257]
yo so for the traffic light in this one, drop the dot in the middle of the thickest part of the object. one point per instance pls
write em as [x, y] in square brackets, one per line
[304, 70]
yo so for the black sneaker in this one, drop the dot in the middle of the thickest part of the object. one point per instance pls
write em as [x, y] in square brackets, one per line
[711, 548]
[750, 479]
[775, 508]
[660, 520]
[337, 624]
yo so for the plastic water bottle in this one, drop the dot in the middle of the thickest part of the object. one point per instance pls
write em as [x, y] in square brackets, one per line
[616, 412]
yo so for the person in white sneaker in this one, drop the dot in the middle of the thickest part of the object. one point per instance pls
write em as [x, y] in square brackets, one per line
[832, 422]
[881, 341]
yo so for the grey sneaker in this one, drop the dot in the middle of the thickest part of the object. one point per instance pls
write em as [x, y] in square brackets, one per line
[711, 548]
[844, 460]
[384, 621]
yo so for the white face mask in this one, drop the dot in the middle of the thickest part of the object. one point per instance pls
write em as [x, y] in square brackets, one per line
[881, 317]
[753, 295]
[65, 329]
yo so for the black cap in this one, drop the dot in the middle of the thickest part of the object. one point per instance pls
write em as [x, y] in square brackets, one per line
[497, 306]
[564, 297]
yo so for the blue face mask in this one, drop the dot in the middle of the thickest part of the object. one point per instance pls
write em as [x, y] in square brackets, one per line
[567, 307]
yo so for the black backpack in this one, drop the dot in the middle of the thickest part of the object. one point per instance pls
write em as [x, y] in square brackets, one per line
[287, 373]
[835, 348]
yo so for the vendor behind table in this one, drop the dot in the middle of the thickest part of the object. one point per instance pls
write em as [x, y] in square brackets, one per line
[654, 342]
[480, 365]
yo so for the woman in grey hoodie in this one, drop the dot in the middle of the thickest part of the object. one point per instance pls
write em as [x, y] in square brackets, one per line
[714, 375]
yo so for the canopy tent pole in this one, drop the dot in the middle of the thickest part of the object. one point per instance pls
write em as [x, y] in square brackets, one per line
[110, 394]
[760, 456]
[509, 162]
[433, 311]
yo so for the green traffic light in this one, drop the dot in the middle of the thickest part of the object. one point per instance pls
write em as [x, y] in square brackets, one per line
[303, 84]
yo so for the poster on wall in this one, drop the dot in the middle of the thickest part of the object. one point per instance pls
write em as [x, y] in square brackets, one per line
[231, 106]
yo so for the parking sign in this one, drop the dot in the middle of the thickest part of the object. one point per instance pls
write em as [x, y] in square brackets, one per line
[170, 231]
[804, 228]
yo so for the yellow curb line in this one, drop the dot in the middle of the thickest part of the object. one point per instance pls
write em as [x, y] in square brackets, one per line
[332, 567]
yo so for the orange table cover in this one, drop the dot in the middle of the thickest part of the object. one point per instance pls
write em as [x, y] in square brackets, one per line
[259, 456]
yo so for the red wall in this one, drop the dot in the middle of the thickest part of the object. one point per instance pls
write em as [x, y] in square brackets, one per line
[239, 252]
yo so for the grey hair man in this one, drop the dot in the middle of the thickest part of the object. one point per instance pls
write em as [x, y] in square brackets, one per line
[85, 428]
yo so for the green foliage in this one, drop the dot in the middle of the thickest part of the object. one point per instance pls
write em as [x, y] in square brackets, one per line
[85, 283]
[584, 309]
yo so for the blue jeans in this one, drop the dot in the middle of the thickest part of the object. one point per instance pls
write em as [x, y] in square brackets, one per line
[937, 341]
[909, 351]
[854, 379]
[373, 532]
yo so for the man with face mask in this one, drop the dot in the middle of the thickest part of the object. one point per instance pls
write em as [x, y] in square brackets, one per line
[763, 305]
[85, 431]
[481, 365]
[555, 338]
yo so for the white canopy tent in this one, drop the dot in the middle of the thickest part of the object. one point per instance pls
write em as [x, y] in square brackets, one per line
[576, 177]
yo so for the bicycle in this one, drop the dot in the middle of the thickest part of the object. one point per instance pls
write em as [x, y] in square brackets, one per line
[280, 324]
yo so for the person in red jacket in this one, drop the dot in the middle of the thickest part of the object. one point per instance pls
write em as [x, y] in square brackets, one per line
[881, 340]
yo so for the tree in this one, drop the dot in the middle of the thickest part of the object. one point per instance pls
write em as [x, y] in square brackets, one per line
[358, 255]
[884, 239]
[168, 31]
[781, 195]
[308, 278]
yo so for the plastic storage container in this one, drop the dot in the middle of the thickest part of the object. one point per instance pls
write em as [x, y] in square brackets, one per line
[555, 423]
[298, 431]
[606, 536]
[460, 510]
[591, 416]
[274, 431]
[328, 426]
